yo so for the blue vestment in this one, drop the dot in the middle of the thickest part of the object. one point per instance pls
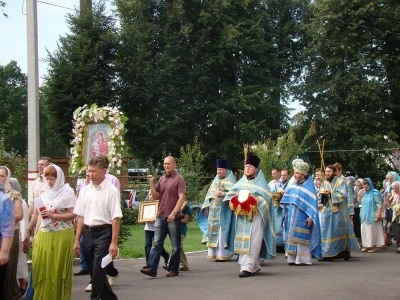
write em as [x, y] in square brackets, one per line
[336, 226]
[236, 229]
[211, 225]
[300, 203]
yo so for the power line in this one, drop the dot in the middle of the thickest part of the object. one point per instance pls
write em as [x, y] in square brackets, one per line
[52, 4]
[357, 150]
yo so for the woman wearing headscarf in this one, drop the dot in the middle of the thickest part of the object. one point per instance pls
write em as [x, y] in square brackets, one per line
[387, 209]
[22, 266]
[357, 206]
[371, 215]
[395, 204]
[12, 288]
[7, 224]
[52, 256]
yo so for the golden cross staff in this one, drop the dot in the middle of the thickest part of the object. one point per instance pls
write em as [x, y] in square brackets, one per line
[321, 153]
[245, 150]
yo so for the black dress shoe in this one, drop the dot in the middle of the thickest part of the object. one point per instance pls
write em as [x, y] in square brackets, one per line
[148, 272]
[82, 272]
[145, 267]
[245, 274]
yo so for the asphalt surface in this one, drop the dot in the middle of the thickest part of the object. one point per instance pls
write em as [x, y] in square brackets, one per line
[364, 276]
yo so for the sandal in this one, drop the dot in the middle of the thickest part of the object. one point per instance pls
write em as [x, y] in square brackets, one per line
[372, 250]
[364, 249]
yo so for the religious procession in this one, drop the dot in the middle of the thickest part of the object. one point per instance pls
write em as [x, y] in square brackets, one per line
[308, 218]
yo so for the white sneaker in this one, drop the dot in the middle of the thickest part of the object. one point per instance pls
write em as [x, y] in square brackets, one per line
[88, 288]
[111, 280]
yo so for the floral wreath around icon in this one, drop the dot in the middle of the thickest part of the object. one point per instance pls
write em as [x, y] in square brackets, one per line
[85, 115]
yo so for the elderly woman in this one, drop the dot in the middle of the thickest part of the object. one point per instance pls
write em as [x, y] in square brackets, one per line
[22, 266]
[371, 215]
[387, 210]
[7, 224]
[52, 255]
[358, 189]
[12, 290]
[395, 204]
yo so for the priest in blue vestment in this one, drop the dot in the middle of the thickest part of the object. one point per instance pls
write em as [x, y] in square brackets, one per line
[247, 219]
[338, 238]
[301, 229]
[209, 218]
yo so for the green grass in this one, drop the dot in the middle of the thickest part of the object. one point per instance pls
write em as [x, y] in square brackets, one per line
[134, 246]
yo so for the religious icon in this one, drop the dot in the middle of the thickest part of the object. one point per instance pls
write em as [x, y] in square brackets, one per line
[97, 142]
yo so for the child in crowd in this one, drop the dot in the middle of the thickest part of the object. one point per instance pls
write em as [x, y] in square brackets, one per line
[149, 229]
[183, 265]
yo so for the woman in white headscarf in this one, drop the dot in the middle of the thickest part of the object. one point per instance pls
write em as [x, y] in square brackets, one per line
[52, 255]
[12, 290]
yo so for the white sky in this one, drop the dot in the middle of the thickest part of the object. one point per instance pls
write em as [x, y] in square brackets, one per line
[51, 24]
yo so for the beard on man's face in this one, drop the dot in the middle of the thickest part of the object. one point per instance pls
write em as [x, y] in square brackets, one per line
[330, 178]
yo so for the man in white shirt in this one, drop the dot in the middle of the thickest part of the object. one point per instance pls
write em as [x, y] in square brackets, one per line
[38, 184]
[99, 212]
[275, 184]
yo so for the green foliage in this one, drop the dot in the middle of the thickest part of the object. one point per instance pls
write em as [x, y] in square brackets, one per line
[134, 246]
[81, 70]
[280, 153]
[2, 5]
[350, 86]
[130, 216]
[124, 234]
[13, 102]
[214, 69]
[190, 166]
[15, 162]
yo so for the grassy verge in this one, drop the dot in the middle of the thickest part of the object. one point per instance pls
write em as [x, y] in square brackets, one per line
[134, 246]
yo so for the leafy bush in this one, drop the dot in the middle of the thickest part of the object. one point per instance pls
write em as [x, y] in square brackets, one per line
[130, 216]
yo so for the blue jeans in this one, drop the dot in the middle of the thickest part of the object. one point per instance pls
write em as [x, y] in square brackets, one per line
[82, 260]
[148, 243]
[29, 293]
[163, 228]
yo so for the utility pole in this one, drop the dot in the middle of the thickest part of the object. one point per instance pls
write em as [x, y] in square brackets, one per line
[33, 93]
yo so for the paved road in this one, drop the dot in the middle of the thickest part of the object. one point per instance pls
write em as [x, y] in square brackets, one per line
[365, 276]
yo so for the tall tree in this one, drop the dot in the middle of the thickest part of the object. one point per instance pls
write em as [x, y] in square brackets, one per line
[349, 82]
[81, 70]
[13, 103]
[215, 69]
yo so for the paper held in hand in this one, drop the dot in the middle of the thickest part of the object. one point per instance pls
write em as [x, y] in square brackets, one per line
[39, 204]
[107, 259]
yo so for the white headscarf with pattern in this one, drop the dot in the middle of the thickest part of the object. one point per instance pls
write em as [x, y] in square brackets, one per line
[7, 184]
[61, 195]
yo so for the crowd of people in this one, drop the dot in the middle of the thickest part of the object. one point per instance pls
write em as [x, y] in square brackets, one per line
[55, 221]
[325, 216]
